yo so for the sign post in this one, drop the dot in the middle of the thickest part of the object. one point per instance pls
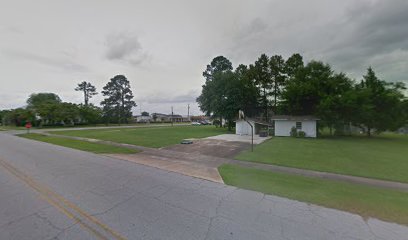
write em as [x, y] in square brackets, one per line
[28, 126]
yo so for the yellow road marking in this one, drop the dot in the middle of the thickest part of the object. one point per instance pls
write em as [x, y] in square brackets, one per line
[66, 207]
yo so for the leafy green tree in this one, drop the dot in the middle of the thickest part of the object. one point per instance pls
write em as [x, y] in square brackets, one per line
[231, 100]
[223, 97]
[67, 113]
[208, 98]
[331, 107]
[146, 114]
[261, 73]
[3, 114]
[316, 90]
[154, 116]
[249, 91]
[293, 64]
[227, 92]
[377, 105]
[119, 99]
[218, 64]
[37, 99]
[90, 114]
[305, 90]
[44, 105]
[88, 90]
[404, 110]
[19, 116]
[277, 68]
[48, 113]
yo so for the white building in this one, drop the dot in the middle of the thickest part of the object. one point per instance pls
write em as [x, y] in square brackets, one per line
[283, 125]
[243, 127]
[141, 118]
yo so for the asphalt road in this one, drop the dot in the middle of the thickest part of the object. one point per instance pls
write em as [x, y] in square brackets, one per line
[52, 192]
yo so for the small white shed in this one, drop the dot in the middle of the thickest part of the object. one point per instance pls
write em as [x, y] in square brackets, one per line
[242, 127]
[284, 123]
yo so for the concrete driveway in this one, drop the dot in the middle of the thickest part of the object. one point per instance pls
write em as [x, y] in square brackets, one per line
[240, 138]
[52, 192]
[211, 147]
[200, 159]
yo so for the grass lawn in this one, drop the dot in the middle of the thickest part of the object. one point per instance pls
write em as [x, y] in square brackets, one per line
[148, 136]
[382, 157]
[80, 145]
[6, 128]
[388, 205]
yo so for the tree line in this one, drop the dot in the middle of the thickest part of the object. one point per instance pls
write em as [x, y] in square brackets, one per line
[47, 109]
[274, 85]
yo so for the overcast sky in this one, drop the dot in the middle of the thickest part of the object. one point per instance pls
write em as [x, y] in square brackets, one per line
[164, 46]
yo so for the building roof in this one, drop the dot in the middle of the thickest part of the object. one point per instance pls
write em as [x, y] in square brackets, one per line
[294, 118]
[175, 116]
[167, 115]
[256, 121]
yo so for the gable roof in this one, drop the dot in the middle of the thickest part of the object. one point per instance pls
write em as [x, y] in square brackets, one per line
[295, 118]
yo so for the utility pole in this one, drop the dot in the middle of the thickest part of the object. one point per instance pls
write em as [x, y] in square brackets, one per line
[188, 112]
[171, 115]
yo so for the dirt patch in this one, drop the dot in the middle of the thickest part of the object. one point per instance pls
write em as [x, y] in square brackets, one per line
[211, 147]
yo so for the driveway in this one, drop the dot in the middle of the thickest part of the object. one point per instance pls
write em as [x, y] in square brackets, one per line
[52, 192]
[256, 139]
[211, 147]
[200, 159]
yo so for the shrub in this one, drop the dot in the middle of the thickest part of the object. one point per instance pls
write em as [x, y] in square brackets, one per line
[301, 134]
[293, 132]
[217, 123]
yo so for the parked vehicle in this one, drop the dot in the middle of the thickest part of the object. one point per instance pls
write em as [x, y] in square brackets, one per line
[195, 124]
[205, 122]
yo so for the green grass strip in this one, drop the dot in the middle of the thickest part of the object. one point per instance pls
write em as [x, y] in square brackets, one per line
[385, 204]
[78, 144]
[382, 157]
[154, 136]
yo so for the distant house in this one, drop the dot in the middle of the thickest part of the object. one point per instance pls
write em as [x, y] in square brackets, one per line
[284, 123]
[243, 127]
[141, 119]
[175, 118]
[160, 117]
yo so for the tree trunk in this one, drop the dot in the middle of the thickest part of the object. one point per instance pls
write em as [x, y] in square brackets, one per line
[274, 95]
[265, 104]
[369, 131]
[85, 98]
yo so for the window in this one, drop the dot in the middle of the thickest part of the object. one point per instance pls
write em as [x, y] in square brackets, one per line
[299, 125]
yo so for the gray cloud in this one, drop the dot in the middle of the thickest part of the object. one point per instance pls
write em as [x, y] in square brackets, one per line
[125, 47]
[8, 100]
[373, 33]
[55, 62]
[189, 97]
[11, 30]
[163, 50]
[352, 38]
